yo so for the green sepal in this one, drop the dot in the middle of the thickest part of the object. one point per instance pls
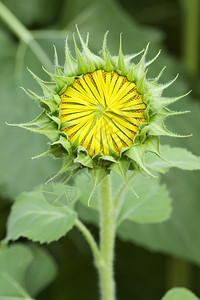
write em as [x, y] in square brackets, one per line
[97, 156]
[49, 130]
[55, 150]
[165, 112]
[159, 88]
[141, 84]
[107, 158]
[70, 67]
[121, 63]
[60, 81]
[158, 76]
[104, 52]
[75, 144]
[114, 62]
[68, 165]
[95, 61]
[153, 145]
[84, 159]
[136, 153]
[44, 125]
[64, 143]
[50, 103]
[108, 65]
[141, 135]
[72, 174]
[112, 152]
[65, 125]
[58, 69]
[70, 79]
[57, 99]
[98, 173]
[41, 120]
[120, 168]
[82, 66]
[156, 127]
[148, 63]
[128, 58]
[55, 55]
[56, 120]
[146, 116]
[157, 103]
[130, 75]
[47, 87]
[139, 69]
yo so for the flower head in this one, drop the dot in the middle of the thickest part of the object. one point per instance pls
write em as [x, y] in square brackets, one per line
[105, 110]
[101, 112]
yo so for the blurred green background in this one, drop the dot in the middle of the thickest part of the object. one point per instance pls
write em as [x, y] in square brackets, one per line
[149, 259]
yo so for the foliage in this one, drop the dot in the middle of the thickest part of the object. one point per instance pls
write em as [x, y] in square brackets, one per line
[23, 270]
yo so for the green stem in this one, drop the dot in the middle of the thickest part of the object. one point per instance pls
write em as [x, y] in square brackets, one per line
[191, 28]
[178, 273]
[91, 241]
[24, 35]
[107, 240]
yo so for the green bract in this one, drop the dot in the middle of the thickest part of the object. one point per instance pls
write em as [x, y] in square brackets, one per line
[76, 156]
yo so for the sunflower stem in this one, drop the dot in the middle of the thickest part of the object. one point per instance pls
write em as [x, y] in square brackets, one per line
[90, 240]
[191, 14]
[107, 240]
[24, 35]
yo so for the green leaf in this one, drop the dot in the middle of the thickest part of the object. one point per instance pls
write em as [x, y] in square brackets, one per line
[34, 218]
[24, 269]
[41, 271]
[153, 205]
[179, 294]
[11, 289]
[13, 264]
[14, 261]
[177, 157]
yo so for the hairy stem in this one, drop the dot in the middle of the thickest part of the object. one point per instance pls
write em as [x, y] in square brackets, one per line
[24, 35]
[107, 240]
[90, 240]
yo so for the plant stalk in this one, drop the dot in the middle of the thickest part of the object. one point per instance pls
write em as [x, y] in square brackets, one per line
[23, 34]
[191, 30]
[91, 241]
[107, 241]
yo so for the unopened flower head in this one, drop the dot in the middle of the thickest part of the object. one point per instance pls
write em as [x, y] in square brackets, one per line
[105, 110]
[101, 112]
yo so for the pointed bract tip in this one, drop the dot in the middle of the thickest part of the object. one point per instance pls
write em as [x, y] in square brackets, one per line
[153, 59]
[87, 39]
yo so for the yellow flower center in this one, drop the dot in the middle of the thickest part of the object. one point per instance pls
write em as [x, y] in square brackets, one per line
[103, 109]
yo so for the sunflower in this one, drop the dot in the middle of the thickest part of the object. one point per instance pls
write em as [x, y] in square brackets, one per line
[101, 112]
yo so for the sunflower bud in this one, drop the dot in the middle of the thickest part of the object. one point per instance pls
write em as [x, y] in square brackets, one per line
[101, 112]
